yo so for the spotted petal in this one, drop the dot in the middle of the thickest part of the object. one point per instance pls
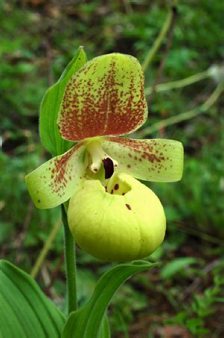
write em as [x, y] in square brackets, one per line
[105, 97]
[55, 181]
[157, 160]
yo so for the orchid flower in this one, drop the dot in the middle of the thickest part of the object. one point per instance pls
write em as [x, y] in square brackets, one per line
[111, 214]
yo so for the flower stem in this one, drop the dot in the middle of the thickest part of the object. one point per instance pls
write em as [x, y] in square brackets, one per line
[70, 265]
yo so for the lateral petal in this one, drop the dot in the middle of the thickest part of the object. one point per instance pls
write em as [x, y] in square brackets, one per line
[105, 97]
[55, 181]
[157, 160]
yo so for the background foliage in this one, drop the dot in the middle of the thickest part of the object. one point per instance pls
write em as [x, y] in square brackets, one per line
[184, 297]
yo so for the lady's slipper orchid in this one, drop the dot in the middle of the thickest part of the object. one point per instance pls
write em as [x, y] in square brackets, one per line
[124, 222]
[103, 100]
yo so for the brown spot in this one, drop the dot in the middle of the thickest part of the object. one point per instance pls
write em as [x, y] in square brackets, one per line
[116, 187]
[112, 191]
[128, 206]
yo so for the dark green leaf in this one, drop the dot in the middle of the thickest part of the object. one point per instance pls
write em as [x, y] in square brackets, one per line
[86, 322]
[49, 133]
[25, 312]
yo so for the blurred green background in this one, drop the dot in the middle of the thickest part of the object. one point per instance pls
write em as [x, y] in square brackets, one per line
[184, 297]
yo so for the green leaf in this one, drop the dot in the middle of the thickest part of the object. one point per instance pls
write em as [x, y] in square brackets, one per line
[175, 266]
[86, 322]
[50, 106]
[25, 312]
[105, 328]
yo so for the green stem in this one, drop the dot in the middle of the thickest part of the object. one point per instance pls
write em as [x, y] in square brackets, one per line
[186, 115]
[179, 83]
[159, 40]
[40, 259]
[70, 265]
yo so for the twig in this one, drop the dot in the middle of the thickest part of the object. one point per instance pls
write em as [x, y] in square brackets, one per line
[22, 235]
[159, 40]
[186, 115]
[56, 270]
[45, 249]
[162, 87]
[167, 48]
[202, 235]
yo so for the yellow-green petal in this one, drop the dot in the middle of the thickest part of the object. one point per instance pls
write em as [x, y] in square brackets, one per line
[105, 97]
[56, 180]
[157, 160]
[125, 222]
